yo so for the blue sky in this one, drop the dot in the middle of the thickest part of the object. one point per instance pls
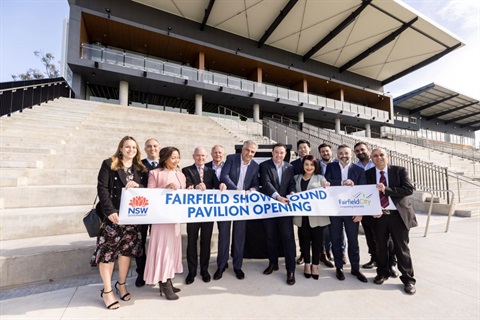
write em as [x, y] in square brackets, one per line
[27, 26]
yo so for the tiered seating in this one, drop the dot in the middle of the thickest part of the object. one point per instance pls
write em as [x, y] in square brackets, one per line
[50, 159]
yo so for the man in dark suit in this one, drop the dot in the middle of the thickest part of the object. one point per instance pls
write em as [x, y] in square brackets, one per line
[396, 220]
[200, 177]
[152, 149]
[345, 173]
[240, 172]
[276, 177]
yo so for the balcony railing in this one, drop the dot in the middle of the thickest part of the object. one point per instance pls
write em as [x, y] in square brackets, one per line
[154, 65]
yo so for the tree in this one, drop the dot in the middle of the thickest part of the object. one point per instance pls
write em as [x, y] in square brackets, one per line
[51, 69]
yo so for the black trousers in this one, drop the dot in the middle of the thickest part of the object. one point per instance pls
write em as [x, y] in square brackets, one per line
[311, 238]
[387, 226]
[368, 224]
[140, 261]
[205, 229]
[284, 227]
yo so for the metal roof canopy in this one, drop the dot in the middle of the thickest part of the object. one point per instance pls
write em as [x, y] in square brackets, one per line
[380, 39]
[436, 102]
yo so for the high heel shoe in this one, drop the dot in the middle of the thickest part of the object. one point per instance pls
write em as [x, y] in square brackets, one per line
[174, 289]
[110, 306]
[307, 272]
[126, 295]
[315, 272]
[167, 289]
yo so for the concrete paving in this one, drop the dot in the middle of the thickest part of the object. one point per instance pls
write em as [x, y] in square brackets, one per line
[447, 269]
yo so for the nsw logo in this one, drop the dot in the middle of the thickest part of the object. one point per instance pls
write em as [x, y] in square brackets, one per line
[138, 206]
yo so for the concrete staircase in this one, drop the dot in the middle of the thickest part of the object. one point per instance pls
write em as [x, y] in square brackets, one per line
[49, 159]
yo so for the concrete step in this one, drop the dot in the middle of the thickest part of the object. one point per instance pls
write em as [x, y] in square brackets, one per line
[47, 196]
[21, 164]
[53, 257]
[42, 221]
[25, 150]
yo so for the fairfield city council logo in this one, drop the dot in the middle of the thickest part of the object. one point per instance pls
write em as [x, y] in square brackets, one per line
[358, 200]
[138, 206]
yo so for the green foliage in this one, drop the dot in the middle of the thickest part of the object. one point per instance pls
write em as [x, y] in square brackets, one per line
[51, 69]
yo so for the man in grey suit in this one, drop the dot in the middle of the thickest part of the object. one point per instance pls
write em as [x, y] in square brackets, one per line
[240, 172]
[396, 219]
[276, 177]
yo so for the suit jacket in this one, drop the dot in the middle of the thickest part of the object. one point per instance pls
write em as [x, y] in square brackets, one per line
[193, 177]
[147, 164]
[297, 166]
[231, 173]
[334, 174]
[110, 184]
[210, 165]
[316, 181]
[399, 189]
[269, 179]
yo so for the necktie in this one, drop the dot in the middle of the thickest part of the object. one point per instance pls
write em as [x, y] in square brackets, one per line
[383, 197]
[200, 170]
[154, 164]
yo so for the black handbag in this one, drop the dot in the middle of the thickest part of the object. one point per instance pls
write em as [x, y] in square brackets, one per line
[94, 220]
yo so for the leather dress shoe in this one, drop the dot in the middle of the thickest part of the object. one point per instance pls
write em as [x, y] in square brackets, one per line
[218, 274]
[394, 271]
[360, 276]
[326, 262]
[329, 255]
[339, 274]
[410, 288]
[205, 276]
[379, 279]
[270, 269]
[291, 279]
[139, 282]
[190, 278]
[300, 260]
[239, 273]
[370, 264]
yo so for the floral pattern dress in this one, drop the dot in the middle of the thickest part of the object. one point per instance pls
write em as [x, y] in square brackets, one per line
[116, 240]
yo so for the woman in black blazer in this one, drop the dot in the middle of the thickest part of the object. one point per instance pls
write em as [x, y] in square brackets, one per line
[118, 242]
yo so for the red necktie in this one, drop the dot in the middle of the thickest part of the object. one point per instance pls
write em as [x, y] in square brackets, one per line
[383, 198]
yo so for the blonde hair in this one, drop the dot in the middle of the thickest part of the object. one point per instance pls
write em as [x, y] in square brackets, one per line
[117, 162]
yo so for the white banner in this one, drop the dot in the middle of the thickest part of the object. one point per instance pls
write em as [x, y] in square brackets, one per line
[152, 206]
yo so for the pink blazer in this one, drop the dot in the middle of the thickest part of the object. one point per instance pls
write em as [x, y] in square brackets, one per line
[159, 178]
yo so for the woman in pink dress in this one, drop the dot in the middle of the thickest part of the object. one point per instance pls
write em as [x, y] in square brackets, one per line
[164, 257]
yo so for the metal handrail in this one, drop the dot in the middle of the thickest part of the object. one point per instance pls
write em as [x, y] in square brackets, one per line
[17, 95]
[430, 207]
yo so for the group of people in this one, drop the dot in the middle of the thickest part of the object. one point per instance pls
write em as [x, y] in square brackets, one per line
[319, 236]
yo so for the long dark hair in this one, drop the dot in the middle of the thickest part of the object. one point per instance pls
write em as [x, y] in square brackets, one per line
[166, 153]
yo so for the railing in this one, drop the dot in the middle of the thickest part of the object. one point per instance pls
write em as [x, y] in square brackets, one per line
[18, 95]
[154, 65]
[467, 153]
[421, 173]
[252, 130]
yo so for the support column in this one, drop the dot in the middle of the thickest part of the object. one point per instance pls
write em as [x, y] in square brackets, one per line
[123, 93]
[301, 120]
[256, 112]
[337, 125]
[198, 104]
[368, 132]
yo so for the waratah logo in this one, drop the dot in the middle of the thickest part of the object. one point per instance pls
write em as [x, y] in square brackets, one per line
[138, 206]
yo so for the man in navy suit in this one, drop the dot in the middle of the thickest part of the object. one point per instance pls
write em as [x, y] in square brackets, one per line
[345, 173]
[217, 160]
[200, 177]
[152, 149]
[396, 220]
[276, 177]
[240, 172]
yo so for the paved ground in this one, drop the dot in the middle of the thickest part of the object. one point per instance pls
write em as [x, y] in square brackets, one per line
[447, 268]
